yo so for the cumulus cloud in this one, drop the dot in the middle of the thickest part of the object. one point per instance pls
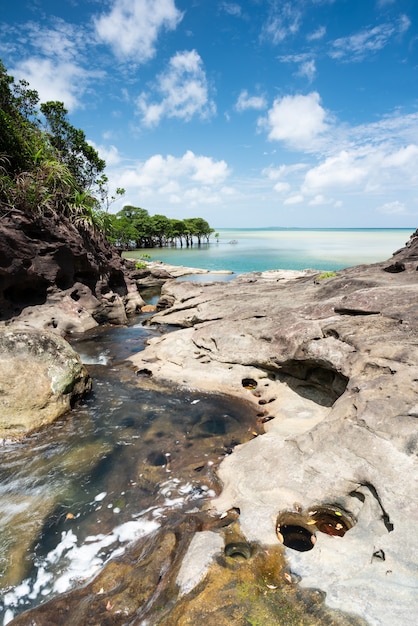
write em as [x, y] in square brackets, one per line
[245, 102]
[356, 47]
[132, 27]
[369, 169]
[110, 154]
[296, 120]
[158, 172]
[182, 92]
[63, 81]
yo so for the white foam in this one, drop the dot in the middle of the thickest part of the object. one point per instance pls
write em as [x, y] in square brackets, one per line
[100, 359]
[69, 564]
[100, 496]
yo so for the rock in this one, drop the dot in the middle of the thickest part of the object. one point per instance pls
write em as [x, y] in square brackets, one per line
[333, 370]
[41, 376]
[46, 263]
[28, 512]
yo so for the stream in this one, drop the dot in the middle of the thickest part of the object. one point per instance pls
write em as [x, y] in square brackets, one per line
[76, 494]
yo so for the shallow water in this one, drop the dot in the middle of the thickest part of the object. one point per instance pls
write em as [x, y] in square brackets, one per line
[265, 249]
[75, 494]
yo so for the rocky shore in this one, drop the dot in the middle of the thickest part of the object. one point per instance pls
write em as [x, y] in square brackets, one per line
[329, 362]
[332, 364]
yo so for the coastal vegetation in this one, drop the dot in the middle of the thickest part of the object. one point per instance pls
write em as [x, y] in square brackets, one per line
[48, 168]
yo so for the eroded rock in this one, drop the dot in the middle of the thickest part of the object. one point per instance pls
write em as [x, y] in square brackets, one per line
[41, 376]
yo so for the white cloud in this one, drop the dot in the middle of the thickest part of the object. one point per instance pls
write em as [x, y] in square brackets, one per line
[308, 69]
[110, 154]
[368, 169]
[231, 8]
[296, 199]
[183, 91]
[296, 120]
[307, 64]
[341, 171]
[281, 187]
[357, 46]
[317, 34]
[63, 81]
[318, 200]
[284, 20]
[62, 41]
[132, 27]
[246, 102]
[392, 208]
[158, 173]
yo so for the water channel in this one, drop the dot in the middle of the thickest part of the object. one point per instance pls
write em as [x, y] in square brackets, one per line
[74, 495]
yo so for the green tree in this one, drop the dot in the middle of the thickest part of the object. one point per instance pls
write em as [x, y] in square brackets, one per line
[161, 228]
[71, 145]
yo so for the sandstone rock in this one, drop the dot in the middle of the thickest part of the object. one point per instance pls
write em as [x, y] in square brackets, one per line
[333, 365]
[40, 377]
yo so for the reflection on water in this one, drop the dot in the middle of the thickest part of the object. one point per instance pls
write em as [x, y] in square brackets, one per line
[73, 495]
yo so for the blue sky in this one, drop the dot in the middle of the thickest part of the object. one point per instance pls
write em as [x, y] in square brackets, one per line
[250, 113]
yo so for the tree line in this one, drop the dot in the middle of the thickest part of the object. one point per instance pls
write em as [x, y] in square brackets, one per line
[133, 227]
[48, 168]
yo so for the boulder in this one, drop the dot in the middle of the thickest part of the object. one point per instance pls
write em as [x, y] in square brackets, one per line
[41, 376]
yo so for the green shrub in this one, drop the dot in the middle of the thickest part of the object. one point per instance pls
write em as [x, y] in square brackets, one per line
[327, 275]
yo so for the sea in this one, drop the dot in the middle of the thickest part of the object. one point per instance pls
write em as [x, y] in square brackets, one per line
[242, 250]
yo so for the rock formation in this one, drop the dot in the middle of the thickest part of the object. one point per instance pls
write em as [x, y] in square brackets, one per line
[332, 363]
[53, 275]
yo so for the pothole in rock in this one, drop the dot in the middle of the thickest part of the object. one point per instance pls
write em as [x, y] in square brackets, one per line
[293, 531]
[314, 381]
[238, 550]
[297, 530]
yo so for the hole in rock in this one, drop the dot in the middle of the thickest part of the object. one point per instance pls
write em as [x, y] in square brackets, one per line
[157, 459]
[238, 550]
[296, 537]
[314, 380]
[331, 520]
[249, 383]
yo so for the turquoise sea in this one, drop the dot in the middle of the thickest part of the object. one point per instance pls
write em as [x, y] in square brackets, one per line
[245, 250]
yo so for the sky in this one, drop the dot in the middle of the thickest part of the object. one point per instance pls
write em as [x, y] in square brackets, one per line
[248, 113]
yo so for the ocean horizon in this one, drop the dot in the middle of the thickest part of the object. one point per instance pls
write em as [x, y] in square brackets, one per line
[242, 250]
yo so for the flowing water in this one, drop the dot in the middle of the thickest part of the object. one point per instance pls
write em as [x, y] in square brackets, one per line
[73, 495]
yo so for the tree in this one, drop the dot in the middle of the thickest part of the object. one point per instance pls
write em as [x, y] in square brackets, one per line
[81, 158]
[161, 226]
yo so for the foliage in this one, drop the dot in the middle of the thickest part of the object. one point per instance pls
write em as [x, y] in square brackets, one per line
[140, 265]
[133, 227]
[48, 168]
[327, 275]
